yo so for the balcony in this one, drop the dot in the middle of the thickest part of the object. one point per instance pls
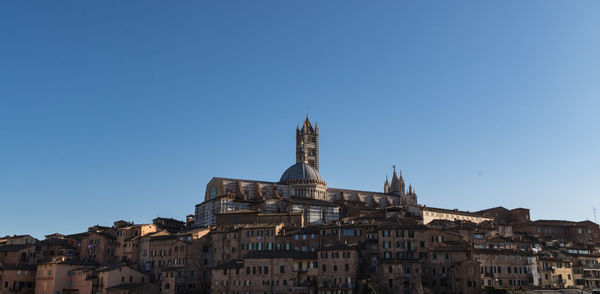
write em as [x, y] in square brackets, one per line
[299, 270]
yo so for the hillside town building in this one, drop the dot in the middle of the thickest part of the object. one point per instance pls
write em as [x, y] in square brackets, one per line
[298, 235]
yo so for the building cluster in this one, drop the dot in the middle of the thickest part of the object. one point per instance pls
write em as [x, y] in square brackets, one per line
[380, 251]
[297, 235]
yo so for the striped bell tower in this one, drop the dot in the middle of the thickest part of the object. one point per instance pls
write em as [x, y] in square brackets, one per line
[307, 143]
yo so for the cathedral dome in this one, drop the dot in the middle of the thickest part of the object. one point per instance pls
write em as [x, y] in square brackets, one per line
[300, 172]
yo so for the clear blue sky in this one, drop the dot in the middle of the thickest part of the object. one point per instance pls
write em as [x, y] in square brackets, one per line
[125, 109]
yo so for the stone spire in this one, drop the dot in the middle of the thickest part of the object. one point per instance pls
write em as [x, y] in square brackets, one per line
[386, 186]
[397, 186]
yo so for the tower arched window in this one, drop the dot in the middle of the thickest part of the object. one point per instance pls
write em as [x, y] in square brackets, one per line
[213, 192]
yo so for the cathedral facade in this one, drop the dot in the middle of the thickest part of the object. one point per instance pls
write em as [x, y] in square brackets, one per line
[302, 189]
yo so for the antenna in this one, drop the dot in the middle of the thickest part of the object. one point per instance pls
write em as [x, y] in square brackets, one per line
[594, 208]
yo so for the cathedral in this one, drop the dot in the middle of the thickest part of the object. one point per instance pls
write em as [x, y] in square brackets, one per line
[302, 190]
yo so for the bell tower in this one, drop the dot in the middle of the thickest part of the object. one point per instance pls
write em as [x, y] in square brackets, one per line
[307, 139]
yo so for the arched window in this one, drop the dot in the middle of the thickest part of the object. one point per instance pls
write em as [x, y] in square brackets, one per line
[213, 192]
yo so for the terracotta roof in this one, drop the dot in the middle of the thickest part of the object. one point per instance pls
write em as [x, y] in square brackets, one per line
[78, 236]
[15, 236]
[173, 268]
[453, 211]
[501, 252]
[163, 237]
[74, 262]
[115, 267]
[302, 231]
[405, 226]
[138, 288]
[9, 248]
[448, 246]
[25, 267]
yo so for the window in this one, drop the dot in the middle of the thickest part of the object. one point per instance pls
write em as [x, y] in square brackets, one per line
[347, 268]
[387, 255]
[324, 268]
[282, 269]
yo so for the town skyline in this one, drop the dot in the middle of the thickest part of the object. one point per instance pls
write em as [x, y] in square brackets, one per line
[112, 114]
[330, 147]
[387, 176]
